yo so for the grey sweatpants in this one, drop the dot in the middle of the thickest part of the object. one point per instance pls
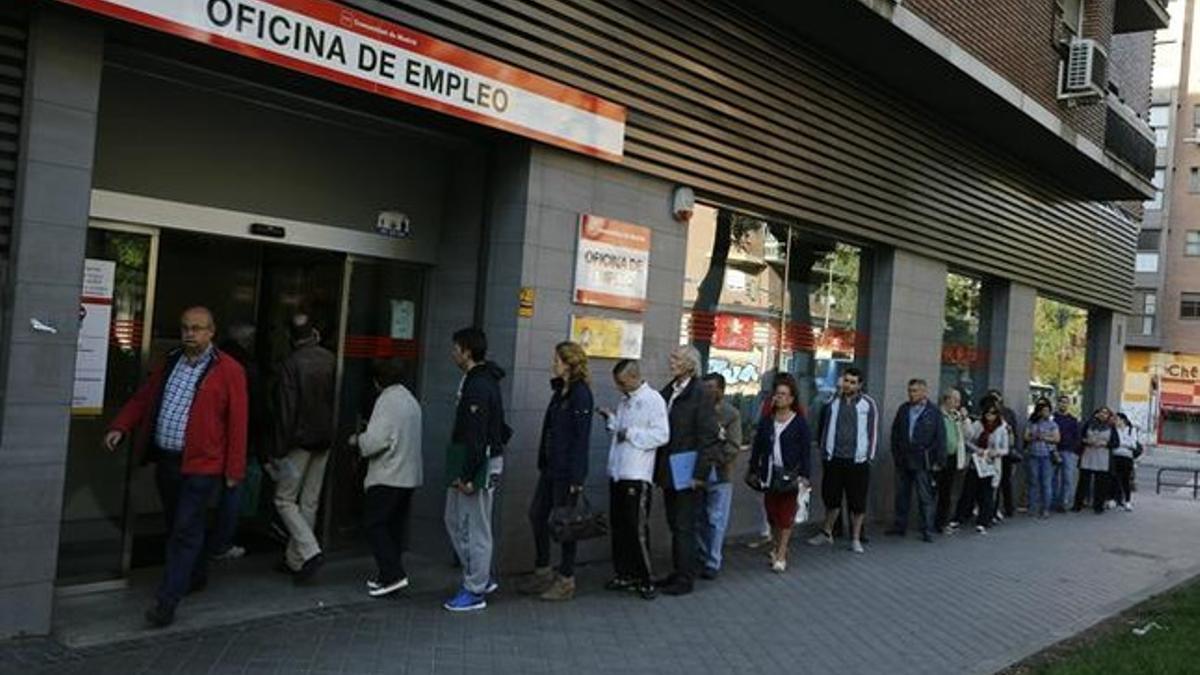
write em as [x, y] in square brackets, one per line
[469, 524]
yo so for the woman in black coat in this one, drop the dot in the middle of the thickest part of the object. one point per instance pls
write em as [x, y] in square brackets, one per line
[779, 464]
[562, 466]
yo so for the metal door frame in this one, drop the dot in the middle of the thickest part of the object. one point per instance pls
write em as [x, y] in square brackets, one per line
[127, 517]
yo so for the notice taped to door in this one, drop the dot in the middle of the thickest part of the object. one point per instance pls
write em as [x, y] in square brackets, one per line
[95, 322]
[334, 42]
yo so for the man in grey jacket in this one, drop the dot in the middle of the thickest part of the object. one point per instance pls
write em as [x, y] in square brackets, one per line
[304, 433]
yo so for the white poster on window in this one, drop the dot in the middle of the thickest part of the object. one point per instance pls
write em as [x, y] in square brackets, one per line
[403, 319]
[95, 321]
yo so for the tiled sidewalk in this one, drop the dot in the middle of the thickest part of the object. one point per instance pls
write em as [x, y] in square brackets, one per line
[966, 604]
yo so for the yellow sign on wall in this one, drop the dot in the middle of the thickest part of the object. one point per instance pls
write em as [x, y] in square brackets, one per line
[607, 338]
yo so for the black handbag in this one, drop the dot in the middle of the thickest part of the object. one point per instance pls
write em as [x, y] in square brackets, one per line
[577, 522]
[784, 482]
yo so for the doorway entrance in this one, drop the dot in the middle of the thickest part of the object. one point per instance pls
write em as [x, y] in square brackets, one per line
[364, 308]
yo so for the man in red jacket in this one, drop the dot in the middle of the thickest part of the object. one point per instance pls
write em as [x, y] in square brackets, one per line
[190, 416]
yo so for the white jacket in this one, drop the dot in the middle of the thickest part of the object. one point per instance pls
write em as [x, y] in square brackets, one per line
[392, 440]
[642, 415]
[997, 446]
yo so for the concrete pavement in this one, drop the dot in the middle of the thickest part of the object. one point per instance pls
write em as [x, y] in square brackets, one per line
[965, 604]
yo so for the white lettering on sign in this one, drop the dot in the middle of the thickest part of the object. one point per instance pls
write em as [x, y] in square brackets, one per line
[334, 42]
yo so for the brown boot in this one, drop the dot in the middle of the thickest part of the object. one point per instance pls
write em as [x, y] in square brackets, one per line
[537, 583]
[562, 589]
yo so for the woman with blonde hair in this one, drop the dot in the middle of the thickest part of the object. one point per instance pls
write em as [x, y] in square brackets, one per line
[562, 467]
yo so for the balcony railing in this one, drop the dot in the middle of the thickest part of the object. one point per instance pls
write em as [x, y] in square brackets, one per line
[1128, 138]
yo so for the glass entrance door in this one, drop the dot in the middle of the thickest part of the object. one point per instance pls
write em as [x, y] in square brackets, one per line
[381, 319]
[116, 304]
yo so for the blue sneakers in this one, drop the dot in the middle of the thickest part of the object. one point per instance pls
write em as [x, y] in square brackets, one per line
[465, 601]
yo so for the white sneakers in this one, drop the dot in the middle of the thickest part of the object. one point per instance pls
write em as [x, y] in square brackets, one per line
[857, 546]
[820, 539]
[378, 590]
[779, 565]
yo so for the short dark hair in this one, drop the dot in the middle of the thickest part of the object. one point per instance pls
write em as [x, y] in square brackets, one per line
[855, 372]
[472, 341]
[625, 365]
[718, 378]
[301, 328]
[389, 371]
[916, 381]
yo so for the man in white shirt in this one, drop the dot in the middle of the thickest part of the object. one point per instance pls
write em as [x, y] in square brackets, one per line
[639, 426]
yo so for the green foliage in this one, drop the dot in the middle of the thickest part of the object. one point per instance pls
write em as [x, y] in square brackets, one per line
[1059, 345]
[963, 297]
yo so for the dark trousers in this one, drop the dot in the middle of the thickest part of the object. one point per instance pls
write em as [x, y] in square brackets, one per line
[1094, 483]
[228, 509]
[185, 497]
[945, 489]
[681, 519]
[906, 481]
[1122, 489]
[976, 493]
[549, 494]
[1004, 498]
[629, 513]
[386, 527]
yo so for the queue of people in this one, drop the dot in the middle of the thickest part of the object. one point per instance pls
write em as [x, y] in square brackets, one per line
[192, 417]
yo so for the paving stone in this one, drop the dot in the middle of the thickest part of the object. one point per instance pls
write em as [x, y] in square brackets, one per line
[904, 607]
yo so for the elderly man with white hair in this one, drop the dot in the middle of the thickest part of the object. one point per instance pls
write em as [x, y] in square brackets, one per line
[684, 463]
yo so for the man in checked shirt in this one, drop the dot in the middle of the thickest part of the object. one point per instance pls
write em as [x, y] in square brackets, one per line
[190, 417]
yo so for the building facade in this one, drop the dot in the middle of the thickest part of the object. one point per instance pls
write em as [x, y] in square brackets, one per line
[1162, 386]
[401, 169]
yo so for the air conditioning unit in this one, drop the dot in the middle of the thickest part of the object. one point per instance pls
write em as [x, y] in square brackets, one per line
[1083, 74]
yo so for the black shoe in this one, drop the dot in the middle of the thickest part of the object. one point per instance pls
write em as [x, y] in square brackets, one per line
[1076, 509]
[282, 568]
[198, 585]
[927, 537]
[160, 616]
[710, 573]
[619, 584]
[678, 587]
[647, 591]
[668, 580]
[894, 532]
[309, 569]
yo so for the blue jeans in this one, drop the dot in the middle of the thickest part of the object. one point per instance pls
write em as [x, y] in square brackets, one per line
[1066, 478]
[185, 542]
[711, 522]
[1041, 483]
[906, 480]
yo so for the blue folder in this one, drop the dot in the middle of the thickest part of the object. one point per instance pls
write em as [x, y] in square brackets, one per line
[683, 465]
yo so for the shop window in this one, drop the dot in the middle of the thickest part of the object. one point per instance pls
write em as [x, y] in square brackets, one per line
[761, 297]
[1189, 306]
[1059, 349]
[962, 357]
[1180, 427]
[1191, 243]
